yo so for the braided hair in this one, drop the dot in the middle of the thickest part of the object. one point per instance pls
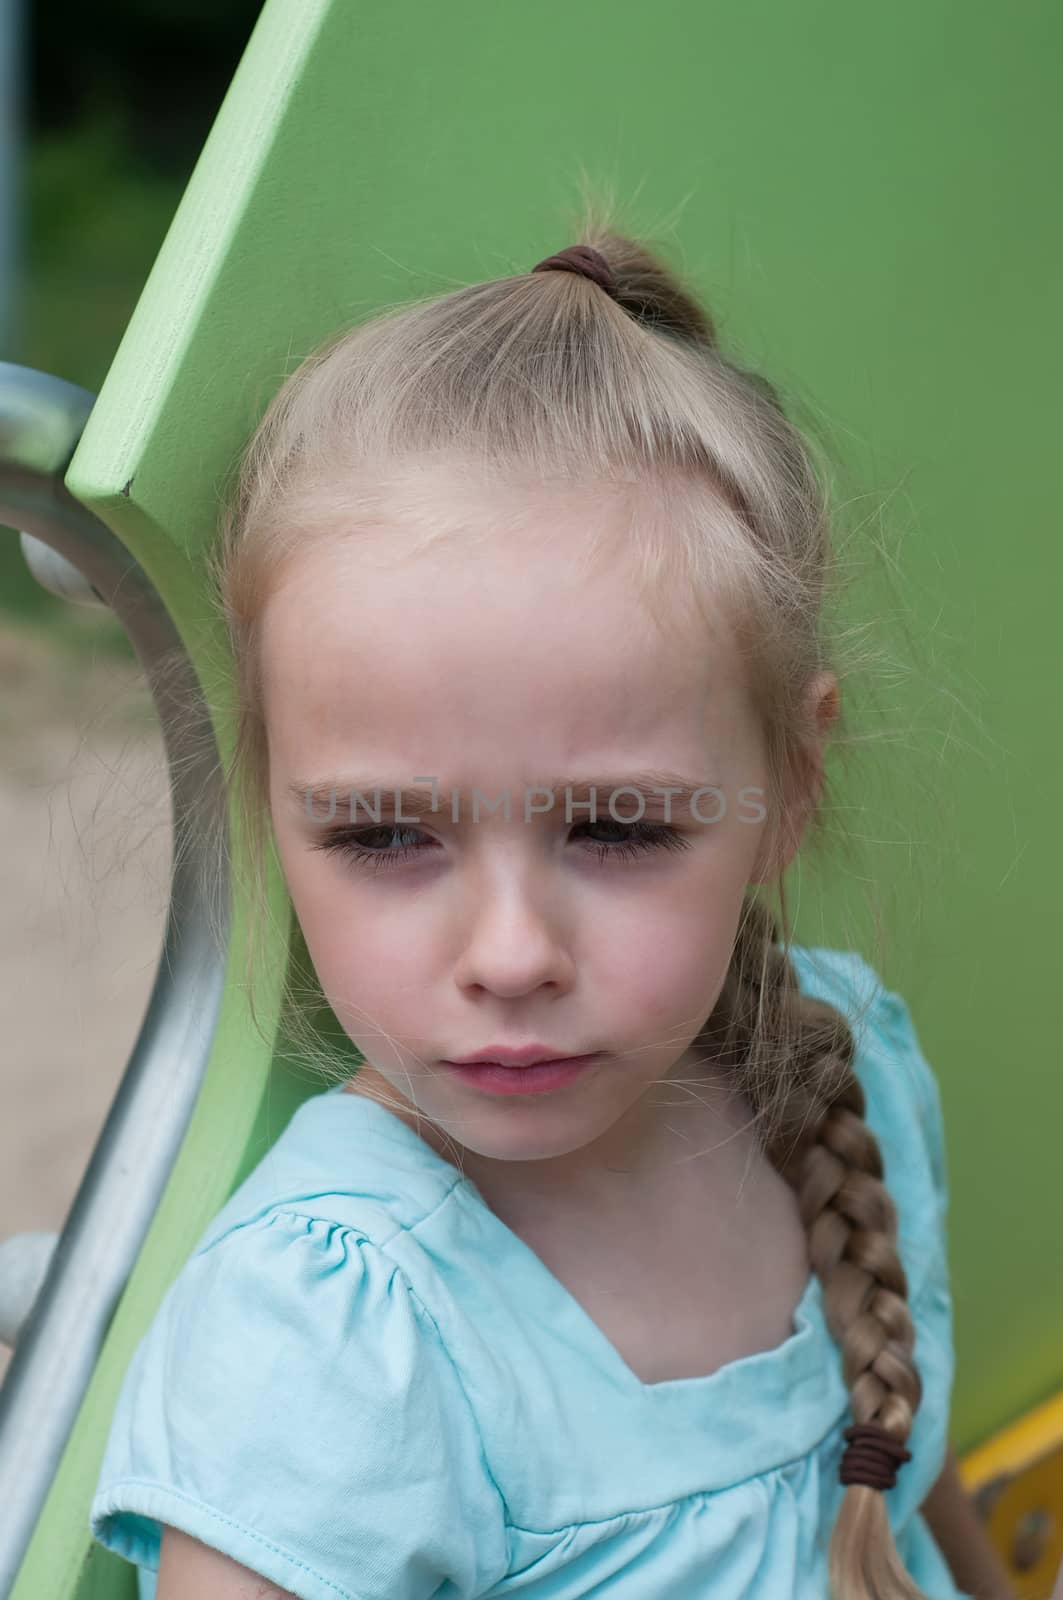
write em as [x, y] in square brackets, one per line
[810, 1114]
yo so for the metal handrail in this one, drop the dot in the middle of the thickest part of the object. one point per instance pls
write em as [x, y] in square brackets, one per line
[41, 421]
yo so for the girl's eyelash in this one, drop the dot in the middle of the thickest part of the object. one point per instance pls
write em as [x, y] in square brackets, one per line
[640, 838]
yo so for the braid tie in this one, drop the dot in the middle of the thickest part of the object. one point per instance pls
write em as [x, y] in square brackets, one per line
[873, 1456]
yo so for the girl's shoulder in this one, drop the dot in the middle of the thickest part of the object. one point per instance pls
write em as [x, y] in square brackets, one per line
[341, 1159]
[903, 1101]
[293, 1406]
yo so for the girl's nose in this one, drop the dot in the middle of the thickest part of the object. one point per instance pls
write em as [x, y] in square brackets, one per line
[516, 942]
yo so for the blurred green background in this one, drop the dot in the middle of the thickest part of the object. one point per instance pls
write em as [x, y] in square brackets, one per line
[117, 101]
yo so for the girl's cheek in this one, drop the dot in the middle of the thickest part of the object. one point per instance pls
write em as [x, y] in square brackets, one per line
[670, 969]
[372, 981]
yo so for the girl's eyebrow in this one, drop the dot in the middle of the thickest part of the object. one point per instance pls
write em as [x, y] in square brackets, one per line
[655, 789]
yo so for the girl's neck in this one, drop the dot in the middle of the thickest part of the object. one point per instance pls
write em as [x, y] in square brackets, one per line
[686, 1145]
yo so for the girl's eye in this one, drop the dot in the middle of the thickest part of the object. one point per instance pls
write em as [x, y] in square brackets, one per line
[635, 838]
[358, 844]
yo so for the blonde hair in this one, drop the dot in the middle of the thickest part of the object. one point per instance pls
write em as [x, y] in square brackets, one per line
[544, 380]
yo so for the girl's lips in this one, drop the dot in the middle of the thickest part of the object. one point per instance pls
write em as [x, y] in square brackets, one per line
[528, 1055]
[523, 1080]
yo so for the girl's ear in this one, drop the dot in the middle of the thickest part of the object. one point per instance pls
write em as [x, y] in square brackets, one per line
[782, 839]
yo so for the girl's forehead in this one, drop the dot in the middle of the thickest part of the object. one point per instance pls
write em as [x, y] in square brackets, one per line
[531, 591]
[338, 625]
[548, 681]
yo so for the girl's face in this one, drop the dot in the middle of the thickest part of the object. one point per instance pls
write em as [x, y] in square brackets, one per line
[487, 671]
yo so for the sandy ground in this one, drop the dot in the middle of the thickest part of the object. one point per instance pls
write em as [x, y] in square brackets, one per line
[84, 882]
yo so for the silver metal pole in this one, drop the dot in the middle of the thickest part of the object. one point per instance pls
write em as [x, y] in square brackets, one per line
[41, 418]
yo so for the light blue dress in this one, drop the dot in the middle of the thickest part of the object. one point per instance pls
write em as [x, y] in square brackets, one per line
[364, 1386]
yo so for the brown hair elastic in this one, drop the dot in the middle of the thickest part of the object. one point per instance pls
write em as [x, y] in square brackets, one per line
[584, 259]
[873, 1456]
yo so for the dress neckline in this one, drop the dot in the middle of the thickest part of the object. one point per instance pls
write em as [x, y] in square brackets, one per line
[781, 1401]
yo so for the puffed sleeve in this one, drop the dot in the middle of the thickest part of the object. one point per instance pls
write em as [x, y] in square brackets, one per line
[920, 1096]
[903, 1097]
[293, 1406]
[904, 1103]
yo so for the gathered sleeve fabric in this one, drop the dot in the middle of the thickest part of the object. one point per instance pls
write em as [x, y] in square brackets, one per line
[904, 1106]
[293, 1406]
[922, 1143]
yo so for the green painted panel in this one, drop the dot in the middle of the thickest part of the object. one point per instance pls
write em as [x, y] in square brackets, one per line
[866, 197]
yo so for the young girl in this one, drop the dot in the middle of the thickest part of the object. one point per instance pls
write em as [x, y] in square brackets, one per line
[618, 1267]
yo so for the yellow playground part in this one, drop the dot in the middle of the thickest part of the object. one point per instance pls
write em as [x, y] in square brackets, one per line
[1016, 1480]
